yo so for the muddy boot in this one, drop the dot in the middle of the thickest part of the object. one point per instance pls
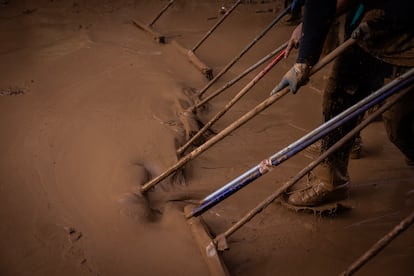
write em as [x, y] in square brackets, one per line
[325, 185]
[314, 150]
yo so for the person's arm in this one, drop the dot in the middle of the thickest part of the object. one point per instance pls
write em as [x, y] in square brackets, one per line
[342, 6]
[317, 18]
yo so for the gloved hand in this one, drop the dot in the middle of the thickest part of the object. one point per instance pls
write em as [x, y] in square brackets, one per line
[362, 32]
[297, 76]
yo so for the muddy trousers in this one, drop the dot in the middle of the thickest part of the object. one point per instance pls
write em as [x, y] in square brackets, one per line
[399, 123]
[356, 74]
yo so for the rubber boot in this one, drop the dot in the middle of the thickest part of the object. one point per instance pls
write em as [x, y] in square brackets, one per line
[325, 184]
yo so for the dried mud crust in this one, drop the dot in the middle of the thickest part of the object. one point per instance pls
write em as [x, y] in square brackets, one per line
[12, 91]
[327, 209]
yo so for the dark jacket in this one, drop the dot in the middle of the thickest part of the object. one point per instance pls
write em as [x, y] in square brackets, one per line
[391, 30]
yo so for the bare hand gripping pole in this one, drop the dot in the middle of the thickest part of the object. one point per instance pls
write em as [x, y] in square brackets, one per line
[243, 180]
[242, 120]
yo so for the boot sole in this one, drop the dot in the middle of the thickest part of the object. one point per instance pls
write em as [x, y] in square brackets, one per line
[339, 194]
[327, 209]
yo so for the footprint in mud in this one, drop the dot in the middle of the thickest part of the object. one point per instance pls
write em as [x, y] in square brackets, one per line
[75, 250]
[66, 243]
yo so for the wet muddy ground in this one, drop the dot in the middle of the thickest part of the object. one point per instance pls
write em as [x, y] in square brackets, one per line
[91, 108]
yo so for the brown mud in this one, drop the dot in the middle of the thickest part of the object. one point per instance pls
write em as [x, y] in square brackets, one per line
[91, 108]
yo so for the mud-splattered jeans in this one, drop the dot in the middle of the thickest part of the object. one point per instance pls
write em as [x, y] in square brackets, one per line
[356, 74]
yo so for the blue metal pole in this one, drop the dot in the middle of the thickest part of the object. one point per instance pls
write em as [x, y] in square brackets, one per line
[283, 155]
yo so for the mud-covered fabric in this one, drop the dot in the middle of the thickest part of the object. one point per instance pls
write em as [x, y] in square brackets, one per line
[399, 123]
[317, 19]
[391, 23]
[391, 36]
[354, 75]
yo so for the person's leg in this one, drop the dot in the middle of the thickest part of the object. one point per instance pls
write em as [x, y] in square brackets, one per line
[399, 123]
[349, 83]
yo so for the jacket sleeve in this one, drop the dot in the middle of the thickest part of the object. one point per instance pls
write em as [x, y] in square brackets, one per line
[317, 18]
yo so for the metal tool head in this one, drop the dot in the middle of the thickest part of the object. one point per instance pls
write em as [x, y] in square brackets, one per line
[221, 242]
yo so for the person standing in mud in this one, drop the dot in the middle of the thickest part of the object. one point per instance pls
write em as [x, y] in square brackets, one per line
[385, 48]
[340, 31]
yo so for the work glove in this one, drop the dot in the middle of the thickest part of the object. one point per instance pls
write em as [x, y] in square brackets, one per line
[297, 76]
[362, 32]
